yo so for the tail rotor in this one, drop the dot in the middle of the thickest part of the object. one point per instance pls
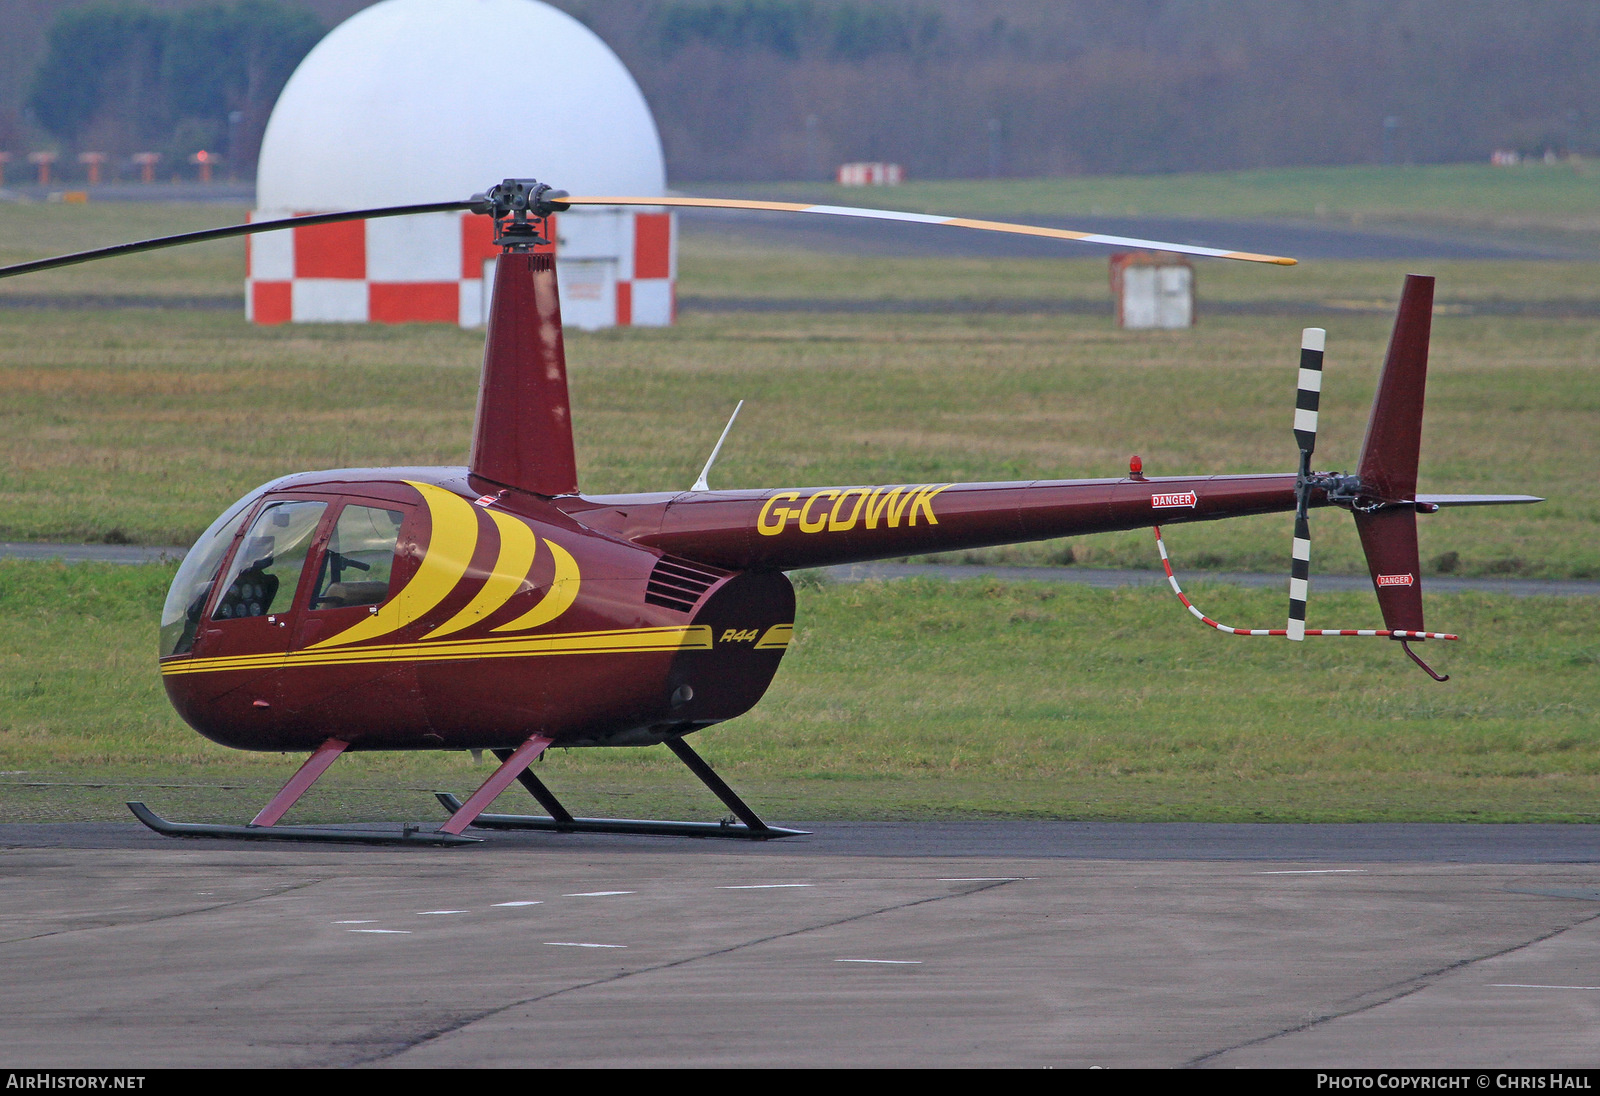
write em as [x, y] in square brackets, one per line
[1382, 496]
[1307, 400]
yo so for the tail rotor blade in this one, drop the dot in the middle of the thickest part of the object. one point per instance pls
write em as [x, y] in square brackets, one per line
[1299, 577]
[1309, 398]
[1307, 401]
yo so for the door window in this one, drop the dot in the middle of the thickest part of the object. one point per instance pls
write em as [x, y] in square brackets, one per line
[357, 565]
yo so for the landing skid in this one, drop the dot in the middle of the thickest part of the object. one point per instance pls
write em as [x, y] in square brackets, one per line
[408, 836]
[647, 827]
[513, 766]
[264, 827]
[561, 821]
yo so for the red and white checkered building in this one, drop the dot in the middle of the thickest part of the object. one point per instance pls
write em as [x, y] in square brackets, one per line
[616, 268]
[416, 101]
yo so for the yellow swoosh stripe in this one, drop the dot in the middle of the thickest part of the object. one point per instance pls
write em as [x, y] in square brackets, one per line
[510, 574]
[688, 637]
[451, 543]
[778, 635]
[558, 599]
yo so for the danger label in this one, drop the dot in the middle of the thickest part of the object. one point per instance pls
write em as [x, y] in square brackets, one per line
[1186, 498]
[1394, 580]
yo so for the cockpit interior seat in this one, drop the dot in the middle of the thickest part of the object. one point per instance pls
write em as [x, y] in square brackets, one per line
[342, 595]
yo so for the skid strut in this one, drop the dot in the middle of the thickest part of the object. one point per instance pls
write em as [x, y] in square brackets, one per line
[561, 820]
[513, 763]
[264, 828]
[300, 783]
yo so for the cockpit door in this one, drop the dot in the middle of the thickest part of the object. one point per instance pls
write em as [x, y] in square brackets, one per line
[252, 619]
[354, 570]
[360, 687]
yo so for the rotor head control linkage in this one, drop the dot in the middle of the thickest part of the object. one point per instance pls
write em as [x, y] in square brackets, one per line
[517, 200]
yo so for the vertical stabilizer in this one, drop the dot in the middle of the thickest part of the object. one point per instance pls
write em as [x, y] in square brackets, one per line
[1385, 518]
[1394, 431]
[1389, 539]
[523, 435]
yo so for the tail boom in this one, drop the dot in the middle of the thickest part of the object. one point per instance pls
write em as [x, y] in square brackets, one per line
[825, 526]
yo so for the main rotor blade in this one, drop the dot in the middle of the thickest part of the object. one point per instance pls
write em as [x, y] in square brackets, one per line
[225, 233]
[476, 204]
[932, 219]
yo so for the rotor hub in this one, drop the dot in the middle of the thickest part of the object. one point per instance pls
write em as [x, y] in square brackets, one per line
[519, 208]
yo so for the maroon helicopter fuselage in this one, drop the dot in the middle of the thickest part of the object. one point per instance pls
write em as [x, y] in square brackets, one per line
[676, 609]
[470, 608]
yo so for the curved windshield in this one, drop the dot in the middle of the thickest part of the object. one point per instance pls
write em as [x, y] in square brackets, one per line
[266, 569]
[180, 616]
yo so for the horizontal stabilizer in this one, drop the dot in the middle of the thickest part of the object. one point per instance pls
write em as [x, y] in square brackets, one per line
[1476, 500]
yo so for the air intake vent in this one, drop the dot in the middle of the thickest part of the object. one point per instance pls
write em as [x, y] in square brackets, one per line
[678, 584]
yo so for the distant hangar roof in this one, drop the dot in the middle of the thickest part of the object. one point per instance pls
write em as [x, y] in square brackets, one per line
[413, 101]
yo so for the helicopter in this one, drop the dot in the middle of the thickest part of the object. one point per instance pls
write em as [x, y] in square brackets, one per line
[495, 607]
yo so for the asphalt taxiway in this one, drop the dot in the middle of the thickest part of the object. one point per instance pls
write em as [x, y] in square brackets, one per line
[977, 944]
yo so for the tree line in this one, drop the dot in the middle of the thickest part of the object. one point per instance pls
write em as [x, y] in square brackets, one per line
[774, 89]
[122, 77]
[762, 89]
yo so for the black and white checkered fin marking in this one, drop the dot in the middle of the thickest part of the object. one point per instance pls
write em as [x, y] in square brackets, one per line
[1312, 342]
[1299, 578]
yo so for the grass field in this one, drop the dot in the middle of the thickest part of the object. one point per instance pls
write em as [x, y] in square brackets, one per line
[38, 230]
[140, 425]
[911, 699]
[1560, 198]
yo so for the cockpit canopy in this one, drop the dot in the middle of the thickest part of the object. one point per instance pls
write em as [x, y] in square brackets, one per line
[353, 567]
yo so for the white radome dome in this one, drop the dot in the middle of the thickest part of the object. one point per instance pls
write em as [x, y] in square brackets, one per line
[415, 101]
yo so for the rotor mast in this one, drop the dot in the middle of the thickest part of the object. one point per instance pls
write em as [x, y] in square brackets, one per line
[522, 437]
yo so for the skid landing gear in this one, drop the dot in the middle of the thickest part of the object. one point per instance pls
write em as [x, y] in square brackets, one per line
[513, 766]
[562, 821]
[264, 827]
[315, 834]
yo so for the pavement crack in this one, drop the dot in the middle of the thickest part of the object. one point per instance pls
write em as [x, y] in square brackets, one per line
[161, 916]
[1395, 991]
[467, 1021]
